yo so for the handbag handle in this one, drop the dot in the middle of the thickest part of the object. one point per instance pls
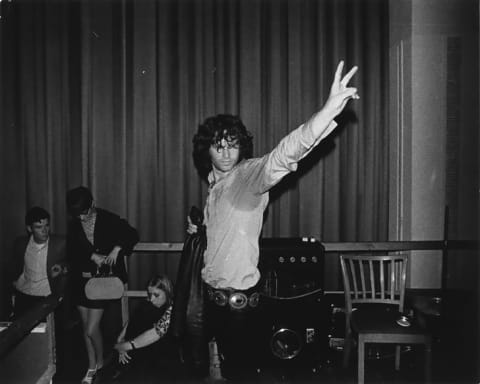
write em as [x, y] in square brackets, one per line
[109, 274]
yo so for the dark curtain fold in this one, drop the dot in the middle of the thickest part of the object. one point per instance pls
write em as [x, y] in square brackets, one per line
[109, 94]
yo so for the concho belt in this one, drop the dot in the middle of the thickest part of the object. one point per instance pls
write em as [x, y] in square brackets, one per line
[236, 300]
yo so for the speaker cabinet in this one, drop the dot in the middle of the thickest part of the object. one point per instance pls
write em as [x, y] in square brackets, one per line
[291, 266]
[294, 313]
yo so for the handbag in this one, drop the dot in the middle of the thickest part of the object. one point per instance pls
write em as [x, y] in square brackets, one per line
[104, 287]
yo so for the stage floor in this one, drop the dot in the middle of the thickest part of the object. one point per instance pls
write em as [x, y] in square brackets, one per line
[379, 368]
[453, 357]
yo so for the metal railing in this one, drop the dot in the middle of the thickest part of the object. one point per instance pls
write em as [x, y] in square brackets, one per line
[20, 328]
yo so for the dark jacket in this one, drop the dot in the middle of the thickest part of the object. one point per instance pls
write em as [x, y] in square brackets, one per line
[188, 308]
[110, 231]
[188, 314]
[56, 254]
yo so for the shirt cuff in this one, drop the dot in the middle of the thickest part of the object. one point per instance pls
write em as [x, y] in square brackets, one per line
[308, 140]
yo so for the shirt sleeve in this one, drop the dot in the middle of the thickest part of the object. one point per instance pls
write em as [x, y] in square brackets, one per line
[161, 326]
[265, 172]
[126, 236]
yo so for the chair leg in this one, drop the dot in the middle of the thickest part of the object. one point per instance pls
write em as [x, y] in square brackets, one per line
[428, 361]
[346, 352]
[347, 347]
[361, 359]
[397, 358]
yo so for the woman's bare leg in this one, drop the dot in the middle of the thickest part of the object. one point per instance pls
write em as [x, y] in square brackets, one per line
[91, 318]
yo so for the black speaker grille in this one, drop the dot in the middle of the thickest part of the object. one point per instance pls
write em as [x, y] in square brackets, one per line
[291, 266]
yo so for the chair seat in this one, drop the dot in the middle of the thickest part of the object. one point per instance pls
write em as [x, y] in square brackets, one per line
[381, 326]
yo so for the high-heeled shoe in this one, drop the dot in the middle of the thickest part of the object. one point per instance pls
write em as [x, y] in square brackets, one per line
[89, 376]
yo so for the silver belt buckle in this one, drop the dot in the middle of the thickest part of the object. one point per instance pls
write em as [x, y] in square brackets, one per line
[220, 298]
[238, 300]
[254, 299]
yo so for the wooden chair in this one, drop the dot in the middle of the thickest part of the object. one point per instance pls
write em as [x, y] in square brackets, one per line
[378, 280]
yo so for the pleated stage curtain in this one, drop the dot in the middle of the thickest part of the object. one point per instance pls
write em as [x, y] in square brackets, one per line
[109, 94]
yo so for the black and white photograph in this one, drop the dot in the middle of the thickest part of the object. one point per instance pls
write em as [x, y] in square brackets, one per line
[246, 191]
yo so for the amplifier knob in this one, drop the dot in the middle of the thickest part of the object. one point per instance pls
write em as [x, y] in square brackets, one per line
[292, 259]
[303, 259]
[314, 259]
[281, 259]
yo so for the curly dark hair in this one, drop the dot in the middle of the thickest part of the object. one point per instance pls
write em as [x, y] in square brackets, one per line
[213, 130]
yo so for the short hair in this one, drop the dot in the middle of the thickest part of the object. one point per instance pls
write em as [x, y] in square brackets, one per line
[36, 214]
[162, 282]
[78, 200]
[212, 131]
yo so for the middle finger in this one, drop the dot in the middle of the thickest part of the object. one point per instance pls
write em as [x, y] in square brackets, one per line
[349, 75]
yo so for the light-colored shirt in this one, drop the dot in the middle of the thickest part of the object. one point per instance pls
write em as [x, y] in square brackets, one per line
[34, 278]
[235, 205]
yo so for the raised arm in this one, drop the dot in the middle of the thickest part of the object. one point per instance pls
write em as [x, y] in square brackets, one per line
[284, 158]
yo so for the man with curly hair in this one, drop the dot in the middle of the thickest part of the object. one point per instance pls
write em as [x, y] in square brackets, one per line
[237, 198]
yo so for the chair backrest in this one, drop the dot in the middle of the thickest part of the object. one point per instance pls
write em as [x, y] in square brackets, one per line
[374, 279]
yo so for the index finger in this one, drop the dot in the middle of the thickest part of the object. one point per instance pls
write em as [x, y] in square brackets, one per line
[338, 72]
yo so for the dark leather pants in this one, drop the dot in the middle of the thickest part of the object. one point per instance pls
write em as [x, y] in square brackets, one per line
[236, 334]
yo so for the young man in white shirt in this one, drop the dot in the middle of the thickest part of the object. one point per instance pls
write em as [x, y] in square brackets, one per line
[38, 265]
[237, 198]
